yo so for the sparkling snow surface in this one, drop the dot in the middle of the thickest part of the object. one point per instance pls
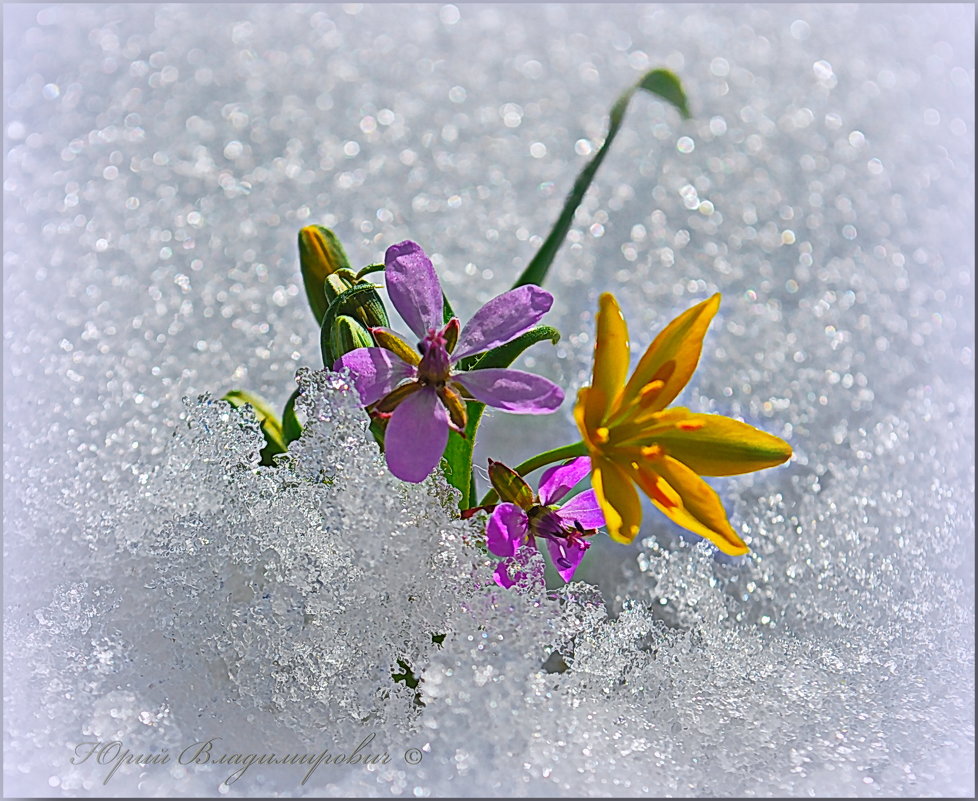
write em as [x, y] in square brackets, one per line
[162, 590]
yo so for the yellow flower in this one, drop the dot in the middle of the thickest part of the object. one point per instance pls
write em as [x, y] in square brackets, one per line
[634, 440]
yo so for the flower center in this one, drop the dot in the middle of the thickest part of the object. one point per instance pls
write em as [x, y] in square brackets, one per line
[435, 367]
[544, 522]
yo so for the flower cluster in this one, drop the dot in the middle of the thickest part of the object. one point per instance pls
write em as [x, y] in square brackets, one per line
[631, 439]
[425, 394]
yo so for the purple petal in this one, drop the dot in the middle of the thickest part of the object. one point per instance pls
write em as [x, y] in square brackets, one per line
[583, 509]
[512, 390]
[413, 287]
[566, 555]
[502, 319]
[506, 529]
[375, 371]
[516, 569]
[562, 478]
[416, 436]
[501, 574]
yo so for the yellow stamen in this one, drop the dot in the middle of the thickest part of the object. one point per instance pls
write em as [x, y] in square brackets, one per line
[652, 452]
[601, 436]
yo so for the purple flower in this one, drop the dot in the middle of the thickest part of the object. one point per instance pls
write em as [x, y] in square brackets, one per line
[515, 525]
[421, 393]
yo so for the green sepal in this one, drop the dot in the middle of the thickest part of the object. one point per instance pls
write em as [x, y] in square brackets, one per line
[320, 255]
[291, 427]
[659, 82]
[509, 485]
[271, 427]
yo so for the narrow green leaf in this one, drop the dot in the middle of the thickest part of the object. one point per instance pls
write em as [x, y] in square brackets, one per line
[666, 85]
[271, 427]
[660, 82]
[291, 427]
[505, 355]
[320, 255]
[447, 312]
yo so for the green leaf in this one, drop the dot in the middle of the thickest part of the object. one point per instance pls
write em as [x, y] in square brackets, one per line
[291, 427]
[457, 460]
[447, 312]
[505, 355]
[271, 427]
[660, 82]
[666, 85]
[320, 255]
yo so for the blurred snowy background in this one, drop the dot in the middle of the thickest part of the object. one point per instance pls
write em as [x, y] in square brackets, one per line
[159, 590]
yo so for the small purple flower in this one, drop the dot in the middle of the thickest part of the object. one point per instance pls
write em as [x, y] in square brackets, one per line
[420, 392]
[515, 525]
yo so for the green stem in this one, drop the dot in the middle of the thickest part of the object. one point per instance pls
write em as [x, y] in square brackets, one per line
[542, 460]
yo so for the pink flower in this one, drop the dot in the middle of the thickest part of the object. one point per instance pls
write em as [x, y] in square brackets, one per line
[515, 525]
[421, 392]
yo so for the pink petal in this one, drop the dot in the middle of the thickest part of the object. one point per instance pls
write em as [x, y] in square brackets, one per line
[566, 555]
[560, 479]
[502, 319]
[375, 371]
[512, 390]
[416, 436]
[583, 509]
[506, 529]
[501, 574]
[516, 569]
[413, 287]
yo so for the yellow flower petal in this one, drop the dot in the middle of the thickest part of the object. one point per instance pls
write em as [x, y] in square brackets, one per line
[673, 355]
[619, 501]
[714, 445]
[610, 361]
[579, 408]
[690, 502]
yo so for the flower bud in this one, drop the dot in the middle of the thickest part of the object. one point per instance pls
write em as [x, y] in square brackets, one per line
[345, 335]
[509, 485]
[320, 255]
[335, 284]
[365, 305]
[370, 310]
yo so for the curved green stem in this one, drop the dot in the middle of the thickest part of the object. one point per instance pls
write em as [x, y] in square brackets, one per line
[541, 460]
